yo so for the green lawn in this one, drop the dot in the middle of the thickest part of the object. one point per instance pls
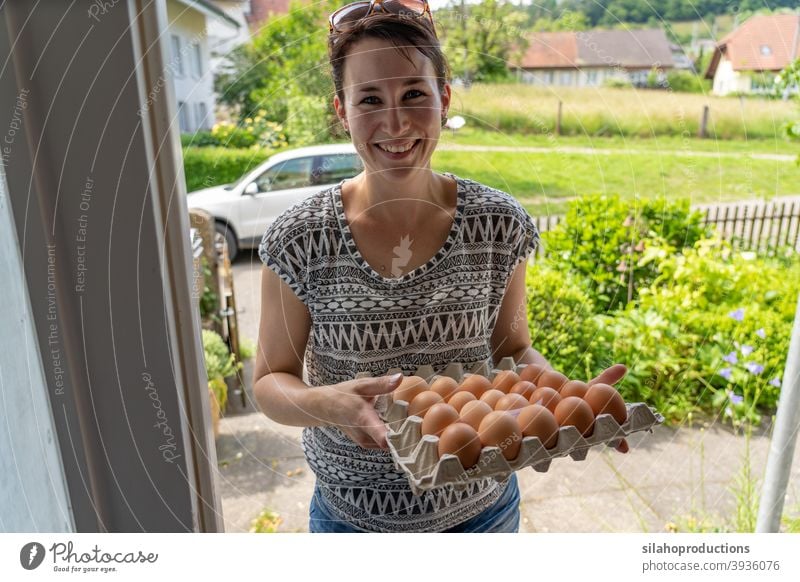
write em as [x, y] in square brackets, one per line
[544, 182]
[477, 136]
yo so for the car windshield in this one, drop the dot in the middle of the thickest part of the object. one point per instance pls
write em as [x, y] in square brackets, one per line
[240, 180]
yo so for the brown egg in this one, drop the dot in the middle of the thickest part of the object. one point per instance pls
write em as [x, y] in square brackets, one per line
[511, 402]
[491, 397]
[505, 380]
[461, 440]
[604, 399]
[459, 399]
[523, 387]
[444, 386]
[422, 402]
[439, 417]
[531, 372]
[547, 397]
[476, 384]
[552, 379]
[574, 411]
[473, 412]
[538, 421]
[409, 387]
[500, 429]
[574, 388]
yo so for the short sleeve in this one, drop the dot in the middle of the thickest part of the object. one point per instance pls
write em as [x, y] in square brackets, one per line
[526, 238]
[283, 250]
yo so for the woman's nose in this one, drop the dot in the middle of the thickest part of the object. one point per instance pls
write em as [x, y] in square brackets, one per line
[397, 120]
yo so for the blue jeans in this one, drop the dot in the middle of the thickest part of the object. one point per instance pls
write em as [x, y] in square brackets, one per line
[501, 517]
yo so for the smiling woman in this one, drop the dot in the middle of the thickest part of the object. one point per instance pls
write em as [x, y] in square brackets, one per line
[396, 268]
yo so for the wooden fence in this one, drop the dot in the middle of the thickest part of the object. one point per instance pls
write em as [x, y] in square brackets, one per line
[760, 227]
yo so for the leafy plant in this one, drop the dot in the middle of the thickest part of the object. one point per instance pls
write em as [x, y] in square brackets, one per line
[608, 244]
[209, 300]
[559, 318]
[220, 364]
[266, 522]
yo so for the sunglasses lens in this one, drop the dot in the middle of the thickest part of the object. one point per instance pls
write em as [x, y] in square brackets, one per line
[358, 10]
[350, 13]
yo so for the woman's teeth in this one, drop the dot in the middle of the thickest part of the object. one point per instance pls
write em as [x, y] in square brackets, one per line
[397, 149]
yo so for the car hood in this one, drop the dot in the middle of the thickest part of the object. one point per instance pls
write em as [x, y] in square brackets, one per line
[206, 195]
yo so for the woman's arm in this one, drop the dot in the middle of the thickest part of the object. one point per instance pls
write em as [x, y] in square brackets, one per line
[279, 389]
[511, 336]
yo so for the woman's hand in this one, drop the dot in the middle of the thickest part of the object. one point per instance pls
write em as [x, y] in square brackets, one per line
[611, 376]
[352, 406]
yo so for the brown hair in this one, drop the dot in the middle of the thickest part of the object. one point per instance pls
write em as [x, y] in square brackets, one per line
[410, 32]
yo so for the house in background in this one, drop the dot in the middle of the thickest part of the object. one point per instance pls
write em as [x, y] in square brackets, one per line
[222, 37]
[589, 58]
[261, 9]
[747, 59]
[189, 65]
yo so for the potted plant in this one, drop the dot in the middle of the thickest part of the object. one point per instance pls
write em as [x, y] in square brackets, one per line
[220, 364]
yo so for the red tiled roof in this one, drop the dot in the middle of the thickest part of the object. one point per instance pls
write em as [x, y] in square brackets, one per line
[599, 48]
[551, 50]
[765, 42]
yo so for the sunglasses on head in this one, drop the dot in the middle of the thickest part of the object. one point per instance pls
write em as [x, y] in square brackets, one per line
[355, 11]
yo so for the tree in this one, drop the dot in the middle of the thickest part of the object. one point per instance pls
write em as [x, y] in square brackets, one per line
[481, 40]
[568, 20]
[288, 57]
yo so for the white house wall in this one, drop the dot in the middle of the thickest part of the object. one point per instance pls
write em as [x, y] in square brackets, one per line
[727, 81]
[222, 37]
[190, 71]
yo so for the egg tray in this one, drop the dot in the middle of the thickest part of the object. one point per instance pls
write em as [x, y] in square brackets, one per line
[417, 455]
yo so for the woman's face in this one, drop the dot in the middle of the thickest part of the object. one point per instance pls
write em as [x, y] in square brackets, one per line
[390, 101]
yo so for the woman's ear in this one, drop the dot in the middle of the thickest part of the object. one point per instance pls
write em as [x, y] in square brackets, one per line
[340, 112]
[446, 94]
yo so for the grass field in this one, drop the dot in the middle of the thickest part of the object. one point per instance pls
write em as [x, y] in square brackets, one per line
[477, 136]
[544, 182]
[604, 112]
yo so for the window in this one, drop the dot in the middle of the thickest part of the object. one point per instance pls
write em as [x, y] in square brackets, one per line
[289, 174]
[565, 78]
[202, 112]
[184, 118]
[197, 60]
[591, 78]
[177, 55]
[335, 168]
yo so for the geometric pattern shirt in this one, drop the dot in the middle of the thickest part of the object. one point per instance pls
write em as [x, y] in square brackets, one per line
[441, 312]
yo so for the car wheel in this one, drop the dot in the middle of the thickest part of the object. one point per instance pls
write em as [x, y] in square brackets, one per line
[225, 236]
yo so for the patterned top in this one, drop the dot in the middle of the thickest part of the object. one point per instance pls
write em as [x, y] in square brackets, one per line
[443, 311]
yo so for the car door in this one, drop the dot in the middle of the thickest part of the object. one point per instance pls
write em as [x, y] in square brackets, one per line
[280, 187]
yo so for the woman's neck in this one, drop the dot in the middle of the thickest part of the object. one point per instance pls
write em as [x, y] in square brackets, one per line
[399, 202]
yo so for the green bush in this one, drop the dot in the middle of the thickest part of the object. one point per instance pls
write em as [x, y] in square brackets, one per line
[711, 333]
[212, 166]
[607, 242]
[709, 328]
[220, 364]
[307, 123]
[560, 319]
[687, 82]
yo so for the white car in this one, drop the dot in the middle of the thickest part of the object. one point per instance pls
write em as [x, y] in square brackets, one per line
[243, 210]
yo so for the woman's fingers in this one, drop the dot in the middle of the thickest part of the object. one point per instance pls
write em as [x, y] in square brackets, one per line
[610, 375]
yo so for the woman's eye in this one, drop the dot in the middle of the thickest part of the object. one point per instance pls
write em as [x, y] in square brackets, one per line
[414, 94]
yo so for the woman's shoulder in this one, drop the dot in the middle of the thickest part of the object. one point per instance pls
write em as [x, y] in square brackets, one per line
[486, 200]
[302, 217]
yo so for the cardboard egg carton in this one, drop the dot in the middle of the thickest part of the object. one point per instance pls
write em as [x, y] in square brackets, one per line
[417, 455]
